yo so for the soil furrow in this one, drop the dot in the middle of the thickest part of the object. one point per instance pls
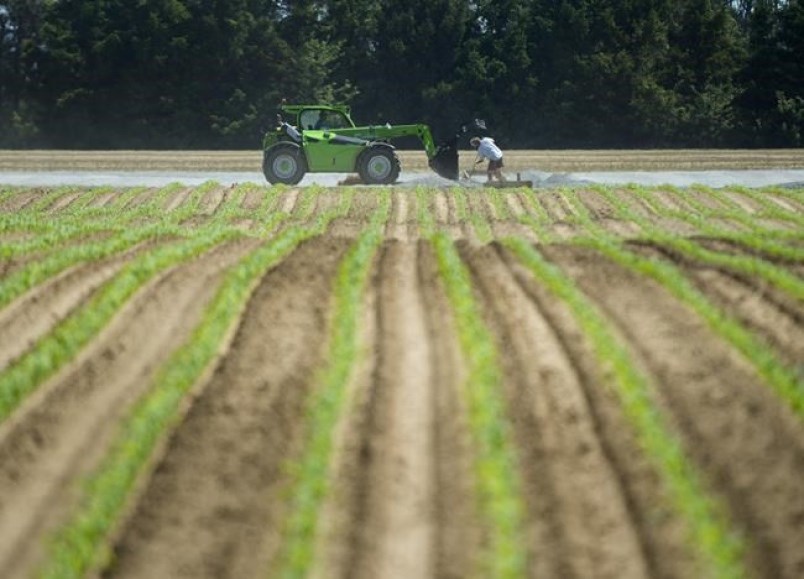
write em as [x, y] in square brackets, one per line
[606, 217]
[785, 303]
[443, 216]
[661, 533]
[398, 529]
[288, 200]
[214, 199]
[579, 521]
[745, 440]
[37, 312]
[177, 199]
[213, 506]
[737, 247]
[515, 205]
[396, 227]
[64, 202]
[776, 324]
[106, 199]
[440, 209]
[20, 200]
[459, 537]
[401, 505]
[61, 431]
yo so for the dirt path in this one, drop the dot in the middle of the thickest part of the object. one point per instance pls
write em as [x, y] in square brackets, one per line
[400, 526]
[212, 507]
[746, 441]
[62, 430]
[402, 500]
[397, 226]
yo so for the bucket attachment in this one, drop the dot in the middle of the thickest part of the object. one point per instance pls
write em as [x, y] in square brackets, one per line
[445, 161]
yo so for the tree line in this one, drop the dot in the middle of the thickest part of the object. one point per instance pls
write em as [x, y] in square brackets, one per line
[542, 73]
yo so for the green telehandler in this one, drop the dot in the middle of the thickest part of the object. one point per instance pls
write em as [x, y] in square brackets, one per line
[324, 139]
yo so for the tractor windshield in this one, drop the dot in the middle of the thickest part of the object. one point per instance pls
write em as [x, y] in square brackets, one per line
[320, 120]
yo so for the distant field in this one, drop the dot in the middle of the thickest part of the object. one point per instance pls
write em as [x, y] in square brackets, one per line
[552, 161]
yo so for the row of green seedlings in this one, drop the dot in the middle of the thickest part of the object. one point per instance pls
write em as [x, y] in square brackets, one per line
[81, 220]
[727, 208]
[44, 229]
[711, 536]
[753, 266]
[310, 475]
[51, 353]
[792, 198]
[82, 544]
[784, 380]
[770, 241]
[126, 230]
[763, 241]
[500, 500]
[499, 496]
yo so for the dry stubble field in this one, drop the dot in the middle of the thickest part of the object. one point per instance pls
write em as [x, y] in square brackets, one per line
[515, 160]
[399, 382]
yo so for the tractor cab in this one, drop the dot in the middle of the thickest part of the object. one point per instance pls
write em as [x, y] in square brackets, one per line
[323, 120]
[319, 117]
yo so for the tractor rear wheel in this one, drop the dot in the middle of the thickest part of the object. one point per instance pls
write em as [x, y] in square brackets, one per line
[378, 165]
[284, 163]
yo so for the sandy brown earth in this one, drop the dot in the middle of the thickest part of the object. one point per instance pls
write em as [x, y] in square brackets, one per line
[402, 499]
[63, 430]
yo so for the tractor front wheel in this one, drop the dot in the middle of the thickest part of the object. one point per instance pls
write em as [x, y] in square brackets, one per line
[379, 165]
[284, 163]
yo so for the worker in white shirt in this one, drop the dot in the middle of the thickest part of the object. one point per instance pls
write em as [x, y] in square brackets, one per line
[487, 149]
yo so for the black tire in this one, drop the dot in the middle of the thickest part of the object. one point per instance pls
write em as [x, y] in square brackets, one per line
[284, 163]
[378, 165]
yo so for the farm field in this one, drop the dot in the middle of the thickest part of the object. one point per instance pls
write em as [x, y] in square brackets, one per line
[395, 382]
[416, 160]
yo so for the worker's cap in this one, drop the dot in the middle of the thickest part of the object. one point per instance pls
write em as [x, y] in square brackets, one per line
[474, 141]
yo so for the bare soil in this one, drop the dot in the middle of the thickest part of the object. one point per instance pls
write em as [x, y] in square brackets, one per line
[402, 500]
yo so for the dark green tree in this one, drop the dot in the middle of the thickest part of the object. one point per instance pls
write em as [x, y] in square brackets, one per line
[602, 80]
[501, 64]
[791, 97]
[412, 59]
[109, 67]
[648, 73]
[318, 75]
[707, 52]
[183, 73]
[20, 25]
[772, 104]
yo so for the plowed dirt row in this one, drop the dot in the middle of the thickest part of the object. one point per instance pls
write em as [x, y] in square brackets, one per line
[404, 492]
[36, 313]
[589, 505]
[748, 443]
[403, 503]
[768, 312]
[213, 507]
[58, 437]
